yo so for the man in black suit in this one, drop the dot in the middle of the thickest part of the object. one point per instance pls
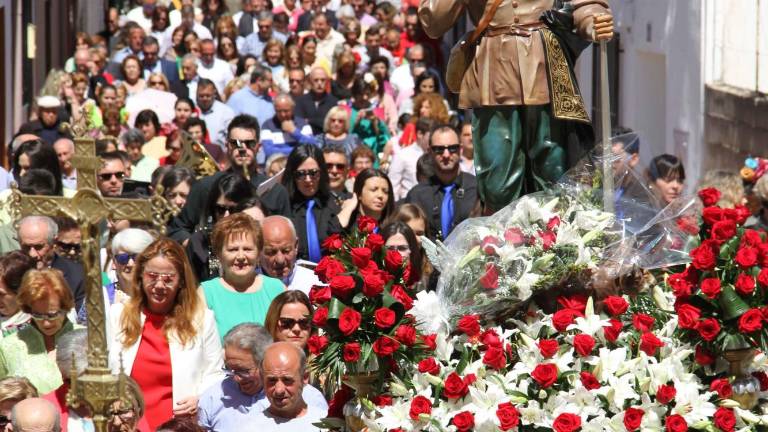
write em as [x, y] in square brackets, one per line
[36, 236]
[152, 64]
[445, 212]
[314, 106]
[318, 7]
[242, 146]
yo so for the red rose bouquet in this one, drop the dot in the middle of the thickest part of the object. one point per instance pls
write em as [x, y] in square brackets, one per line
[721, 295]
[362, 310]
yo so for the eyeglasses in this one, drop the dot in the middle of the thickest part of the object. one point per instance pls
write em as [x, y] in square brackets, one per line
[288, 323]
[37, 247]
[240, 373]
[166, 278]
[221, 209]
[338, 166]
[68, 247]
[124, 258]
[156, 83]
[120, 175]
[338, 120]
[399, 248]
[311, 173]
[125, 415]
[251, 144]
[452, 149]
[47, 316]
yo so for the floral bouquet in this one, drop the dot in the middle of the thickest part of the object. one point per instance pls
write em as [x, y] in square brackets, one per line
[552, 239]
[362, 309]
[570, 371]
[721, 296]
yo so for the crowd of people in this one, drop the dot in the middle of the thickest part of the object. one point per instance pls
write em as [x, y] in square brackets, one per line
[316, 114]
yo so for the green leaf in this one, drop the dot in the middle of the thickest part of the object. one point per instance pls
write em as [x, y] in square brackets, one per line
[335, 307]
[733, 305]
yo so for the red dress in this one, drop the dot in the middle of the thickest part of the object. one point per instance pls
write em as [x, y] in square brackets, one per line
[152, 371]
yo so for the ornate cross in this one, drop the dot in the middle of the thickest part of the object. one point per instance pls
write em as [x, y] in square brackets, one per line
[97, 387]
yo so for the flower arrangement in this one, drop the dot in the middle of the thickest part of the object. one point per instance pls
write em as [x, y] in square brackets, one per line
[721, 294]
[754, 168]
[574, 370]
[362, 308]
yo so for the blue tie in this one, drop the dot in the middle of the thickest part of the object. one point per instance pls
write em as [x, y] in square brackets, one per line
[446, 210]
[313, 243]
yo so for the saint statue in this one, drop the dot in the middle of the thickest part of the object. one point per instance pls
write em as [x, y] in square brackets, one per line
[529, 120]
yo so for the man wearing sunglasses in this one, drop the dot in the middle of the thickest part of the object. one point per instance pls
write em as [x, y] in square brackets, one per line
[450, 195]
[242, 146]
[112, 174]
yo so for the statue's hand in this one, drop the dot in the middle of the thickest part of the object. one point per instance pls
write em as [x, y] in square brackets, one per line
[603, 27]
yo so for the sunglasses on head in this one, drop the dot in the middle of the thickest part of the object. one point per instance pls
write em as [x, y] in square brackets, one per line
[311, 173]
[288, 323]
[68, 247]
[452, 149]
[124, 258]
[251, 144]
[108, 176]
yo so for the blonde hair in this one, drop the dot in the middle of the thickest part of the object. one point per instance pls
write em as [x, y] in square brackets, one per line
[728, 183]
[761, 188]
[231, 87]
[335, 111]
[162, 77]
[16, 388]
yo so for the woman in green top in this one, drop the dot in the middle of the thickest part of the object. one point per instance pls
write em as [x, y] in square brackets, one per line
[241, 294]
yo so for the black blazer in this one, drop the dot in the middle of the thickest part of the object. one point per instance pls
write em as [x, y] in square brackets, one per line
[315, 114]
[305, 21]
[73, 274]
[325, 219]
[429, 196]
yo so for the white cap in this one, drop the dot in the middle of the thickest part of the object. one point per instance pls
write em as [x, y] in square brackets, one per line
[48, 102]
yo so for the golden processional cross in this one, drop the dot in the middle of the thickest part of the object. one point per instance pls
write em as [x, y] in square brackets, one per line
[97, 388]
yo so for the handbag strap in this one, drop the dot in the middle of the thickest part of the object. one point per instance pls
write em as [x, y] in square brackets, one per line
[485, 20]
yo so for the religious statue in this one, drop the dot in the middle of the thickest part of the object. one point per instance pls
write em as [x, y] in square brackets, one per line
[529, 120]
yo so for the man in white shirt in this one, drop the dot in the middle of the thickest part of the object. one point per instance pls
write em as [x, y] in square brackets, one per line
[327, 38]
[402, 77]
[284, 374]
[278, 255]
[215, 114]
[212, 68]
[187, 20]
[142, 15]
[402, 170]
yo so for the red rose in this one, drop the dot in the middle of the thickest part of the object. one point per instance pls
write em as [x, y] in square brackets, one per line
[688, 225]
[469, 325]
[495, 358]
[393, 261]
[406, 334]
[649, 343]
[584, 344]
[751, 238]
[704, 257]
[327, 268]
[515, 236]
[548, 239]
[553, 223]
[746, 257]
[508, 415]
[430, 366]
[333, 242]
[420, 405]
[762, 277]
[615, 305]
[711, 287]
[676, 423]
[400, 295]
[455, 387]
[489, 244]
[320, 294]
[703, 357]
[320, 317]
[429, 341]
[316, 344]
[366, 224]
[642, 322]
[563, 318]
[382, 400]
[373, 284]
[723, 231]
[342, 285]
[576, 302]
[490, 338]
[688, 316]
[708, 329]
[384, 318]
[374, 242]
[360, 257]
[722, 387]
[725, 420]
[739, 213]
[385, 346]
[464, 421]
[711, 215]
[611, 332]
[632, 418]
[567, 422]
[665, 394]
[589, 381]
[751, 321]
[349, 321]
[682, 283]
[469, 379]
[545, 374]
[340, 398]
[351, 352]
[745, 284]
[490, 280]
[763, 378]
[709, 196]
[548, 347]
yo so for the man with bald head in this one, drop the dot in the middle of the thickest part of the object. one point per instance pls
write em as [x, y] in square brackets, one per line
[65, 149]
[278, 256]
[35, 415]
[82, 57]
[315, 104]
[284, 374]
[283, 132]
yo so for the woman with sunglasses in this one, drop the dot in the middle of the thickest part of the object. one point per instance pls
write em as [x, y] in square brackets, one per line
[164, 337]
[372, 197]
[13, 266]
[45, 296]
[313, 209]
[399, 237]
[226, 192]
[241, 294]
[289, 318]
[158, 81]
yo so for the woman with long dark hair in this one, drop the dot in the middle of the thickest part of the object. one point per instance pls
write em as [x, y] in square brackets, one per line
[373, 197]
[399, 237]
[306, 179]
[37, 154]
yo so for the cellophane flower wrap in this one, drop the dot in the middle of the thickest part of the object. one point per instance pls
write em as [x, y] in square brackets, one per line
[362, 308]
[574, 370]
